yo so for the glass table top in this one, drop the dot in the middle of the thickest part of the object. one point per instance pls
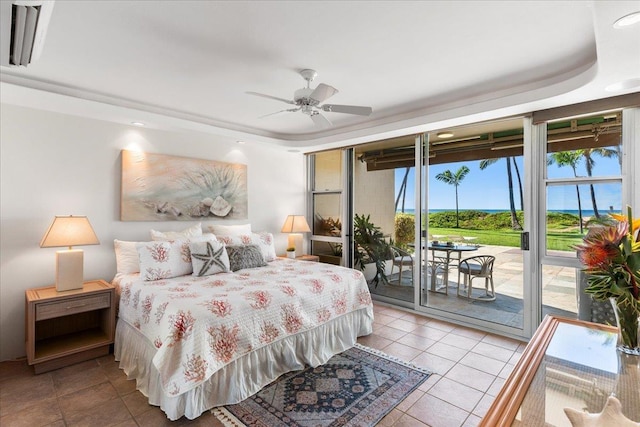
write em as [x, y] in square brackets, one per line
[580, 369]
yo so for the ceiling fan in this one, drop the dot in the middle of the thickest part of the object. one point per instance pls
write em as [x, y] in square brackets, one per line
[308, 101]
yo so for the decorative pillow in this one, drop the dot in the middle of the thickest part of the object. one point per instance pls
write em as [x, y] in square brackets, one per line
[245, 256]
[263, 240]
[127, 260]
[209, 258]
[193, 231]
[230, 230]
[163, 260]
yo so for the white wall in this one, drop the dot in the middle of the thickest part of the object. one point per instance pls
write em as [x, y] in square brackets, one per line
[55, 164]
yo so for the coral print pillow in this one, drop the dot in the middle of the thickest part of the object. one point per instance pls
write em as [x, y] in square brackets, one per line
[263, 240]
[209, 258]
[163, 260]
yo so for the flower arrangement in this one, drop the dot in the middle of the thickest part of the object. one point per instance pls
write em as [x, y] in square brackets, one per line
[611, 253]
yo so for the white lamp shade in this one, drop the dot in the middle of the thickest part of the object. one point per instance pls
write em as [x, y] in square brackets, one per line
[69, 231]
[295, 224]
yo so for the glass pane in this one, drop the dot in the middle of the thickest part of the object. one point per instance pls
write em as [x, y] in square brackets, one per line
[328, 252]
[328, 171]
[585, 147]
[559, 291]
[326, 214]
[380, 220]
[566, 204]
[475, 200]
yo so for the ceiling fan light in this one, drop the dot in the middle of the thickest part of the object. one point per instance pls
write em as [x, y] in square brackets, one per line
[444, 134]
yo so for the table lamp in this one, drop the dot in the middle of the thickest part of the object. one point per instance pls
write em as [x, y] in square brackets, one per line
[69, 231]
[295, 225]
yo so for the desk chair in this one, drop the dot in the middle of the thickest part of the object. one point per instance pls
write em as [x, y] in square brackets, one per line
[472, 268]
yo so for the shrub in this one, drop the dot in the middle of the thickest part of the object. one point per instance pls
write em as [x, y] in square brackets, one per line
[404, 229]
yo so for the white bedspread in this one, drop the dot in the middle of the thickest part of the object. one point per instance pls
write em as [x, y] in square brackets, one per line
[201, 324]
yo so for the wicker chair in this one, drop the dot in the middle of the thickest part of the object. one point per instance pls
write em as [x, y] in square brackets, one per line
[401, 259]
[480, 266]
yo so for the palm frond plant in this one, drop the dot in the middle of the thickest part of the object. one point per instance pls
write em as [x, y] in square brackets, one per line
[370, 247]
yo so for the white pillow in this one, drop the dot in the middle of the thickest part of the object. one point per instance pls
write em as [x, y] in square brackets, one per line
[163, 260]
[193, 231]
[230, 230]
[127, 260]
[209, 257]
[263, 240]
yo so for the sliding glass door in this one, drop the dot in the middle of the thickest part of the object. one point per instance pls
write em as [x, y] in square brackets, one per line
[476, 224]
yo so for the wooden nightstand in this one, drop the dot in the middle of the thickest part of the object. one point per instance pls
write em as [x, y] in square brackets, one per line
[314, 258]
[63, 328]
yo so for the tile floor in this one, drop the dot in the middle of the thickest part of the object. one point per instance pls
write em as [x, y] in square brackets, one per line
[468, 366]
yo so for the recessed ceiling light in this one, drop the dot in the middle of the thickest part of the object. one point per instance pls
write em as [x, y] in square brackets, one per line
[240, 142]
[446, 134]
[627, 20]
[623, 85]
[137, 123]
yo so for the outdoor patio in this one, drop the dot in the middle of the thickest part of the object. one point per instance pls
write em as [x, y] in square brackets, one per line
[559, 284]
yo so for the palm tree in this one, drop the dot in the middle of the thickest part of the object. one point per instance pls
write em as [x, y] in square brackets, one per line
[402, 191]
[590, 163]
[569, 158]
[515, 224]
[515, 165]
[454, 179]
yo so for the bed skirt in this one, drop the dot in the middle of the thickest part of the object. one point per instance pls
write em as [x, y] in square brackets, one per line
[244, 376]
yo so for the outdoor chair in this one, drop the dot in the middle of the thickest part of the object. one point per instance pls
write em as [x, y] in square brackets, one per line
[401, 259]
[480, 266]
[437, 267]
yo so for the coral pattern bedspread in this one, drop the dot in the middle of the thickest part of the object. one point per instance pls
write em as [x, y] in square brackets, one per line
[200, 324]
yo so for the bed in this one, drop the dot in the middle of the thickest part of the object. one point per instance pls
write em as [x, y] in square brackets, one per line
[193, 343]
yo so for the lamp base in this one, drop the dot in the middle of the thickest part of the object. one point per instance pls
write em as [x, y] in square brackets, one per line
[295, 241]
[69, 265]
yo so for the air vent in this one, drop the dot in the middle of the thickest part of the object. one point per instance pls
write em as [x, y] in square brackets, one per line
[28, 26]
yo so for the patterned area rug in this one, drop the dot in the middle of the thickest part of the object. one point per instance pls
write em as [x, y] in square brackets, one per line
[354, 388]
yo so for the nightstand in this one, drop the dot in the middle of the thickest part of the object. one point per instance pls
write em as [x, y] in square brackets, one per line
[63, 328]
[314, 258]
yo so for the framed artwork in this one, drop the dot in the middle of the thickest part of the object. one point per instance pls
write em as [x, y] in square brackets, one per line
[158, 187]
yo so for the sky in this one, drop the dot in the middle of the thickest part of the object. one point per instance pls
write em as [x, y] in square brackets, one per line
[488, 188]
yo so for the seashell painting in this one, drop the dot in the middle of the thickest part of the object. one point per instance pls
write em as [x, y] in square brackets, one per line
[159, 187]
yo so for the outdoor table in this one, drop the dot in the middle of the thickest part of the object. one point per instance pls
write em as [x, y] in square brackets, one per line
[456, 250]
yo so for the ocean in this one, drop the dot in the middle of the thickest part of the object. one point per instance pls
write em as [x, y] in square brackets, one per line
[585, 212]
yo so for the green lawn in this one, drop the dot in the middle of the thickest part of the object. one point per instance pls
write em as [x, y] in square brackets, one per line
[556, 240]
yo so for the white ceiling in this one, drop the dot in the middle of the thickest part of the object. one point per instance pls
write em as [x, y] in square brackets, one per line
[421, 65]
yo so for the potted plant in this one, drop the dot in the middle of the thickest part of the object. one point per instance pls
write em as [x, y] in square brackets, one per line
[291, 252]
[370, 247]
[611, 253]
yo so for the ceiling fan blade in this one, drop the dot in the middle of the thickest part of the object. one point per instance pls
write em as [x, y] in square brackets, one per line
[349, 109]
[323, 92]
[281, 111]
[288, 101]
[321, 121]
